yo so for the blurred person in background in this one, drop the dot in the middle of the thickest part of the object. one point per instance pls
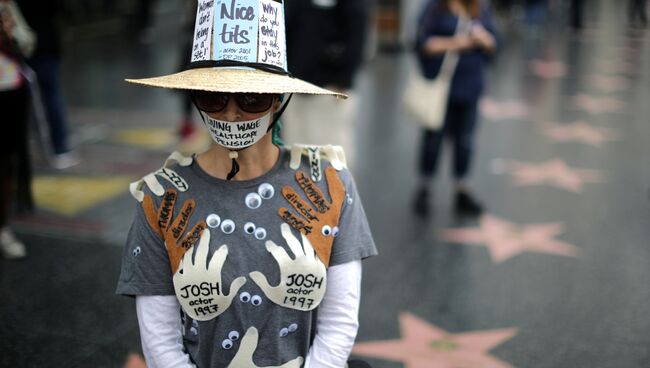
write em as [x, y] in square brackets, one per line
[325, 46]
[575, 14]
[186, 126]
[436, 34]
[144, 20]
[16, 42]
[42, 16]
[637, 9]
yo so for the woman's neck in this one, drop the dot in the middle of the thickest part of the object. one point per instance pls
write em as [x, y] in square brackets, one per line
[253, 161]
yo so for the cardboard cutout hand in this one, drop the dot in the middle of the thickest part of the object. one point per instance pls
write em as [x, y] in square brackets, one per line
[198, 286]
[302, 279]
[320, 221]
[161, 222]
[151, 179]
[244, 356]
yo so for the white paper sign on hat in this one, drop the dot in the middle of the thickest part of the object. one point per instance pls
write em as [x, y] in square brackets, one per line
[249, 31]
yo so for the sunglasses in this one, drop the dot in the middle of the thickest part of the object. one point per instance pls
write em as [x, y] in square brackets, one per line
[247, 102]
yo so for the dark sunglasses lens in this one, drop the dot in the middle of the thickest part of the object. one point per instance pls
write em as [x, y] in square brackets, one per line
[210, 101]
[254, 102]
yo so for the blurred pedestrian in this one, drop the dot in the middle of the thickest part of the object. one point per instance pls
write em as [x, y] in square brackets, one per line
[576, 14]
[16, 42]
[325, 46]
[436, 35]
[186, 126]
[144, 20]
[638, 10]
[43, 17]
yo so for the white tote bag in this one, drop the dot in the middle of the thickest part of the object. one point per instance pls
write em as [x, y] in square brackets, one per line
[426, 100]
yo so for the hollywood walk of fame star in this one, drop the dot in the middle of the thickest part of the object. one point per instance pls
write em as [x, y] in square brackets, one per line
[554, 172]
[597, 105]
[505, 240]
[609, 83]
[134, 361]
[424, 345]
[548, 69]
[578, 131]
[503, 110]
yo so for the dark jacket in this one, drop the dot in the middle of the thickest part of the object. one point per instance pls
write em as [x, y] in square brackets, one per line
[42, 16]
[467, 82]
[325, 43]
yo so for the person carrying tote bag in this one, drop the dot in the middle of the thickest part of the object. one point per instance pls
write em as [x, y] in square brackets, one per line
[463, 28]
[426, 100]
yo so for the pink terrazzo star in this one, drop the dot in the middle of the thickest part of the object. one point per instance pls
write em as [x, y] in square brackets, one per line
[134, 361]
[610, 83]
[553, 172]
[578, 131]
[505, 240]
[424, 345]
[503, 110]
[598, 105]
[548, 69]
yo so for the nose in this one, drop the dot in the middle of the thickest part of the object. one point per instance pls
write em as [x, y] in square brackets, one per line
[231, 112]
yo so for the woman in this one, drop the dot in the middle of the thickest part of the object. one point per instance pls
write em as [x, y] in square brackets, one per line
[475, 43]
[16, 41]
[248, 254]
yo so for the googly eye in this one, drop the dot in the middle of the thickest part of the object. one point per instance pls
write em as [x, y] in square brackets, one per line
[233, 336]
[253, 200]
[260, 233]
[266, 190]
[213, 220]
[284, 332]
[245, 297]
[335, 231]
[227, 344]
[256, 300]
[327, 230]
[194, 331]
[137, 251]
[293, 327]
[249, 228]
[228, 226]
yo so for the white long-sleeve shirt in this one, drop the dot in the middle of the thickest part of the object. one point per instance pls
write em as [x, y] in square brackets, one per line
[336, 326]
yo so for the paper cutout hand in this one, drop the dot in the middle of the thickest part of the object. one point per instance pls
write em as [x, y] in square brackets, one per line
[334, 154]
[320, 222]
[198, 287]
[302, 280]
[160, 221]
[152, 181]
[244, 356]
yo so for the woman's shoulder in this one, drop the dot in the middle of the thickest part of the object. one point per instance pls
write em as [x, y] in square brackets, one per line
[172, 174]
[316, 160]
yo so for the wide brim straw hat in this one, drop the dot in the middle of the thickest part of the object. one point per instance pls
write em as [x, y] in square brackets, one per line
[234, 79]
[220, 65]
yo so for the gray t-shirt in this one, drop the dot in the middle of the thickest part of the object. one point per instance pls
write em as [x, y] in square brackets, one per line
[244, 215]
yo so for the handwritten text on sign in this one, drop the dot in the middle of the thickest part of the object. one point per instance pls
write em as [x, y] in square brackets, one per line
[203, 31]
[235, 27]
[272, 48]
[236, 135]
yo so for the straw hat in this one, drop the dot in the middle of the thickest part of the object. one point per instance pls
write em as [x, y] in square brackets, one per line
[238, 46]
